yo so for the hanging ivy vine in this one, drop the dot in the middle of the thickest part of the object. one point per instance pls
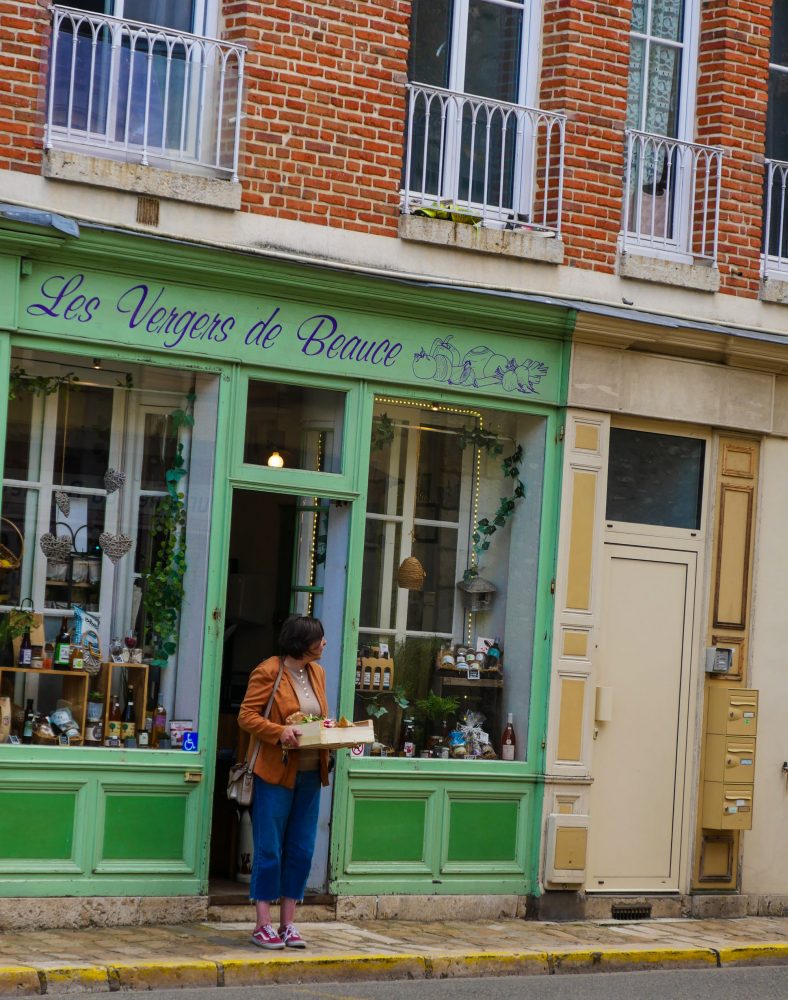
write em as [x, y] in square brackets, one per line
[486, 527]
[20, 380]
[164, 582]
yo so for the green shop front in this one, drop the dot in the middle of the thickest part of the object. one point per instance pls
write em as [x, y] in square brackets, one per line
[197, 444]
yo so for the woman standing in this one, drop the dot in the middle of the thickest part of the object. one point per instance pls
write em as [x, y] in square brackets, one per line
[287, 780]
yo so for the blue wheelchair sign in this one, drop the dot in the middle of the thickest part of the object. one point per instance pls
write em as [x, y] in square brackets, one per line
[191, 742]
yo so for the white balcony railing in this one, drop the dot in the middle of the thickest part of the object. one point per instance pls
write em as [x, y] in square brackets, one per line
[503, 164]
[672, 197]
[775, 233]
[144, 93]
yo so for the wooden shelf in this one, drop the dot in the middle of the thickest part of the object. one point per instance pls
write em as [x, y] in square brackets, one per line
[483, 682]
[74, 688]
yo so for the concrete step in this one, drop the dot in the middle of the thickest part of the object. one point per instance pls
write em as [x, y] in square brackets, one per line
[238, 913]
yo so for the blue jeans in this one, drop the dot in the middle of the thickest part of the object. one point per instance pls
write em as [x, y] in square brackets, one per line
[284, 827]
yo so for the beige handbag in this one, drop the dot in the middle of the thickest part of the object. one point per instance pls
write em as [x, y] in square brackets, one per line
[240, 784]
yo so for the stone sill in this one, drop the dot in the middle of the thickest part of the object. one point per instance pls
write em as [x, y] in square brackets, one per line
[121, 176]
[775, 290]
[702, 277]
[520, 244]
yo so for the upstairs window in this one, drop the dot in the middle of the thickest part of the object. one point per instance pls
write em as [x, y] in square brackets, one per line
[776, 197]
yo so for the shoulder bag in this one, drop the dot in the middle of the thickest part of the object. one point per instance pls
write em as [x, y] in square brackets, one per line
[240, 784]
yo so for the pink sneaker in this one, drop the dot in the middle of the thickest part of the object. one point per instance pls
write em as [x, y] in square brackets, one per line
[266, 937]
[291, 937]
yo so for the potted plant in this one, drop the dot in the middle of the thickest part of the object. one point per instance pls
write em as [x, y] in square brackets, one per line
[435, 711]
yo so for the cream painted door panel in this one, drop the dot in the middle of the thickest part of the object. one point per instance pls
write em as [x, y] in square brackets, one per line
[639, 754]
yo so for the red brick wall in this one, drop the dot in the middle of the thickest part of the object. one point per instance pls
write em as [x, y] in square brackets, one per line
[24, 43]
[584, 75]
[322, 141]
[731, 112]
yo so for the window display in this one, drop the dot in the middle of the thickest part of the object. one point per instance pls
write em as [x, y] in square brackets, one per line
[103, 549]
[449, 580]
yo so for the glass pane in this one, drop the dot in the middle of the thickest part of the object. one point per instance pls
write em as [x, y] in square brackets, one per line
[667, 19]
[17, 544]
[635, 84]
[430, 42]
[777, 116]
[84, 421]
[294, 427]
[639, 22]
[77, 580]
[431, 609]
[439, 476]
[18, 437]
[309, 560]
[175, 14]
[655, 479]
[148, 541]
[387, 465]
[779, 52]
[425, 625]
[492, 62]
[382, 540]
[158, 450]
[662, 101]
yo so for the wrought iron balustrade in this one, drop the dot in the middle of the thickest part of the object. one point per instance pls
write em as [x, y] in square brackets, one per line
[144, 93]
[497, 163]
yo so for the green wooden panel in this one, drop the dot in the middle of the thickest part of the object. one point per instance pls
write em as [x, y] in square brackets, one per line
[37, 824]
[388, 830]
[147, 827]
[483, 831]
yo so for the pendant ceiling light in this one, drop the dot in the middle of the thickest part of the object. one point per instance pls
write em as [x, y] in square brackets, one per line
[275, 460]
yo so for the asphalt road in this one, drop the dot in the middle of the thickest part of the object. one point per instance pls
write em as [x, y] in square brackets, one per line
[761, 983]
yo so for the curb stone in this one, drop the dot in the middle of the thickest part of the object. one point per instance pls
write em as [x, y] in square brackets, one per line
[18, 980]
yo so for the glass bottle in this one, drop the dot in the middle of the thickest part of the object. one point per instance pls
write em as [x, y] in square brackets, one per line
[113, 721]
[159, 730]
[376, 678]
[387, 678]
[30, 718]
[408, 738]
[25, 650]
[62, 660]
[492, 660]
[76, 660]
[508, 740]
[367, 675]
[128, 721]
[358, 669]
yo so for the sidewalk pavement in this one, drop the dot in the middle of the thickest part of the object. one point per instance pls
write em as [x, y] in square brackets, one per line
[105, 959]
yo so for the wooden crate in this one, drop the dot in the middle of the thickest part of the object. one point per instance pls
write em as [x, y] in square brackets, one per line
[315, 734]
[136, 679]
[74, 688]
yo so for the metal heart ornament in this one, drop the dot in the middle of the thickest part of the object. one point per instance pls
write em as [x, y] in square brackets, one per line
[113, 480]
[63, 502]
[54, 548]
[115, 547]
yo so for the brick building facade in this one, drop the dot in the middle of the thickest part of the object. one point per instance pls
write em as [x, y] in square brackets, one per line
[617, 170]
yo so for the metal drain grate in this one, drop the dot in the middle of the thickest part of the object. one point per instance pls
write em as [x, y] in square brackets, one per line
[630, 911]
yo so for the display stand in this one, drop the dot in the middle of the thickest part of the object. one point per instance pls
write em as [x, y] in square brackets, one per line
[74, 687]
[132, 675]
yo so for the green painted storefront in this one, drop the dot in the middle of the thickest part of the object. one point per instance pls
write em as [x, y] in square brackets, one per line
[84, 822]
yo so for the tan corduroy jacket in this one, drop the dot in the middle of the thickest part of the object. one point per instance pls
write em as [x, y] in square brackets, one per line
[274, 764]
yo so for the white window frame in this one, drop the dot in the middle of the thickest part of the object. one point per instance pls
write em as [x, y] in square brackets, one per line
[685, 124]
[774, 265]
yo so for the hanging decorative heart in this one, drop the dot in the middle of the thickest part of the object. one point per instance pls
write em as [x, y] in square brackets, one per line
[113, 480]
[114, 547]
[63, 502]
[58, 549]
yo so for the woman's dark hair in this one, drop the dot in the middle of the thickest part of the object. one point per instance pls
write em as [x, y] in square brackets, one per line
[298, 634]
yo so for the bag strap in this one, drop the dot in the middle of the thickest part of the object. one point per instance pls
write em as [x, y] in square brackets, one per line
[252, 757]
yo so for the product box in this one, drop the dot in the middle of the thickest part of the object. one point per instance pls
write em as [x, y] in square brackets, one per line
[317, 734]
[177, 728]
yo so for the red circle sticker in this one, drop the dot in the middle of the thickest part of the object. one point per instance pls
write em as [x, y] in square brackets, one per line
[357, 751]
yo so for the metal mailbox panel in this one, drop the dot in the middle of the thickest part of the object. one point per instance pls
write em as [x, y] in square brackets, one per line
[732, 711]
[730, 759]
[727, 807]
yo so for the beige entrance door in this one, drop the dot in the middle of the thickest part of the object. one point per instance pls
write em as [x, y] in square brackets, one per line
[639, 754]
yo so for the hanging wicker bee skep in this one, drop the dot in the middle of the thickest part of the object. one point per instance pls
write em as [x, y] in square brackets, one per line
[411, 574]
[477, 593]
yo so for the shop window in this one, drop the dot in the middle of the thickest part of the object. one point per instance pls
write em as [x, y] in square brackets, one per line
[290, 426]
[105, 519]
[449, 579]
[655, 479]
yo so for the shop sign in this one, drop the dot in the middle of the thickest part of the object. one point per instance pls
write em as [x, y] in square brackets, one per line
[190, 322]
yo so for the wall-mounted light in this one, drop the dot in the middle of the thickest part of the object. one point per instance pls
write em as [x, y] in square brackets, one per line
[97, 364]
[275, 460]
